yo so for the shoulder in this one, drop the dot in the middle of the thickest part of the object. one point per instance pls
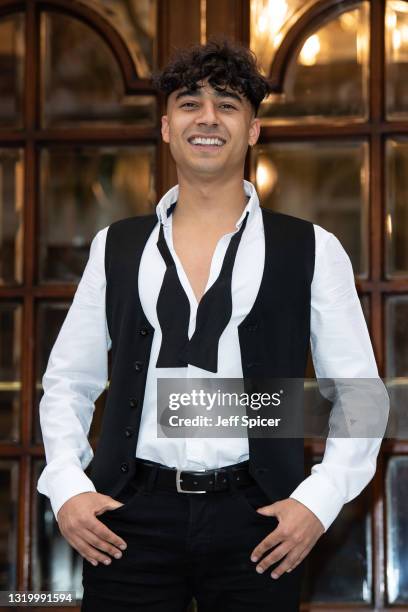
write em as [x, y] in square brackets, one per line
[131, 227]
[284, 220]
[288, 229]
[130, 223]
[120, 236]
[324, 239]
[328, 244]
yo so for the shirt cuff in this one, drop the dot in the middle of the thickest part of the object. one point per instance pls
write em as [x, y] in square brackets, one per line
[321, 497]
[71, 481]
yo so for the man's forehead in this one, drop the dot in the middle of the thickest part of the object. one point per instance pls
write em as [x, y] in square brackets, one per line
[204, 88]
[205, 85]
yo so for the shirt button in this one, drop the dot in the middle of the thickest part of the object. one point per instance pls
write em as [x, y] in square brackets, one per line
[129, 432]
[124, 467]
[138, 366]
[133, 402]
[144, 331]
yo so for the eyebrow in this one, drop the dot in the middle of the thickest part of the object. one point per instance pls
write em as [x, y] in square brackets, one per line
[219, 94]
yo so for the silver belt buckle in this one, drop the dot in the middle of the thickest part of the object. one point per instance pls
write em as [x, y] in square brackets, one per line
[178, 485]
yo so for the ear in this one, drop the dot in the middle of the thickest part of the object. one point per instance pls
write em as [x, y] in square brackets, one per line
[165, 129]
[254, 131]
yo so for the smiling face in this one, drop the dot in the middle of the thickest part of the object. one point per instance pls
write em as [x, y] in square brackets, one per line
[208, 130]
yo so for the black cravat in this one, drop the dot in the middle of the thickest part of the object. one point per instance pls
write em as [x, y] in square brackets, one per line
[213, 312]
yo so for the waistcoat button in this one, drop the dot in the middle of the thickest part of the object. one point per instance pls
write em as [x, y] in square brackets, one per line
[138, 366]
[133, 402]
[124, 467]
[129, 432]
[252, 327]
[144, 331]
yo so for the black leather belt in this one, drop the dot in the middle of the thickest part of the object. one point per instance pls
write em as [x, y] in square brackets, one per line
[193, 482]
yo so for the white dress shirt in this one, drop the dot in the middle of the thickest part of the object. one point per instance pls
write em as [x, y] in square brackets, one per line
[77, 370]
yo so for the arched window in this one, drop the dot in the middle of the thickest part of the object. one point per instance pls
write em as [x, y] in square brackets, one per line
[80, 147]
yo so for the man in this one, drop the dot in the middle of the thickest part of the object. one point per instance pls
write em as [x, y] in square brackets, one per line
[210, 286]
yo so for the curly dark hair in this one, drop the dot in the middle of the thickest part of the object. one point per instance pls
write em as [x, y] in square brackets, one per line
[224, 61]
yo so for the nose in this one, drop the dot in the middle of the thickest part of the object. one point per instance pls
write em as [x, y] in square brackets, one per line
[207, 114]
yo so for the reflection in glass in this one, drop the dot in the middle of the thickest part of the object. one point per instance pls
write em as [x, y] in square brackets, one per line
[50, 317]
[12, 50]
[396, 221]
[84, 189]
[397, 530]
[327, 78]
[396, 335]
[11, 321]
[55, 565]
[269, 22]
[11, 216]
[323, 182]
[82, 81]
[8, 524]
[396, 58]
[338, 569]
[136, 20]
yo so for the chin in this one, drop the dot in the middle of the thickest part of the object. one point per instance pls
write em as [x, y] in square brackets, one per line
[209, 169]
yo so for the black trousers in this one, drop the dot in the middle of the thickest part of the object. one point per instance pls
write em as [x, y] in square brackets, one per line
[185, 545]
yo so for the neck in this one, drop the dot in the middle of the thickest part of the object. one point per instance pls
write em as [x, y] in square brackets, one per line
[211, 203]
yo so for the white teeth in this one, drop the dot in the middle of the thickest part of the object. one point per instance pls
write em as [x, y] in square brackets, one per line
[207, 141]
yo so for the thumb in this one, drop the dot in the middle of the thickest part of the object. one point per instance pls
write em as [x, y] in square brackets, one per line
[110, 504]
[270, 510]
[113, 503]
[117, 504]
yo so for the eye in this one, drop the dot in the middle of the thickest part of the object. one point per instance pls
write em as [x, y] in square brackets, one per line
[193, 103]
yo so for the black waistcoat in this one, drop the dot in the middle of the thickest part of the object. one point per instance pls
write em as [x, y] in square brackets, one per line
[274, 339]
